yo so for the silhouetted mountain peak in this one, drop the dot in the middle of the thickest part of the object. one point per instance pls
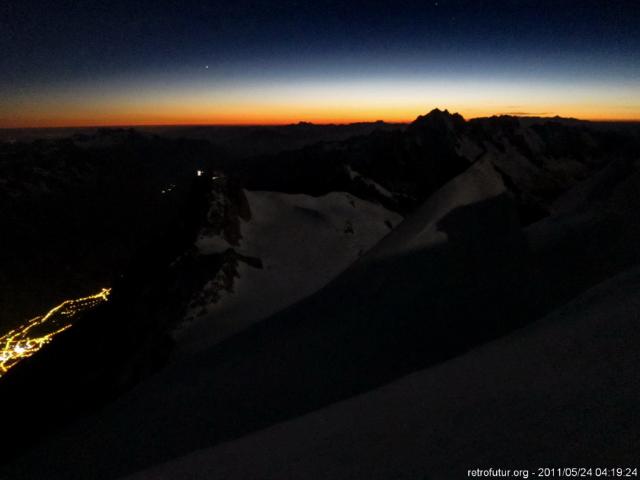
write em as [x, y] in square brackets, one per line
[440, 119]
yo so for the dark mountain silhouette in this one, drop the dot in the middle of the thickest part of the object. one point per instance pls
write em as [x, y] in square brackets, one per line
[451, 234]
[76, 210]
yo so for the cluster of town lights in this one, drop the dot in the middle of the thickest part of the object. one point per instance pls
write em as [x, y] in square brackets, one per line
[25, 340]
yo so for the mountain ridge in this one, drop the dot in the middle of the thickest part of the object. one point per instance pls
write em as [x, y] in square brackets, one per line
[503, 222]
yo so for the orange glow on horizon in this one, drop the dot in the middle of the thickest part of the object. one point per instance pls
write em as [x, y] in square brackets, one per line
[313, 101]
[314, 104]
[274, 118]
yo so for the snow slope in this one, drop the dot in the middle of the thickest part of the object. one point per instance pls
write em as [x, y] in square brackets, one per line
[553, 394]
[373, 324]
[420, 230]
[459, 271]
[302, 242]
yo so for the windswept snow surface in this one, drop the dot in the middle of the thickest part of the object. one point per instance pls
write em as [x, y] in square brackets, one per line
[303, 242]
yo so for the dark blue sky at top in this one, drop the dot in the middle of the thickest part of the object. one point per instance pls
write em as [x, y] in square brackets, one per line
[67, 42]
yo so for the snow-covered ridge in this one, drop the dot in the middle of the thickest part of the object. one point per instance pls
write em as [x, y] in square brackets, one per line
[298, 243]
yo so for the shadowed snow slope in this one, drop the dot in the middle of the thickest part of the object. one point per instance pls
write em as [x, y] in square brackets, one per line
[505, 222]
[380, 319]
[302, 243]
[552, 394]
[420, 230]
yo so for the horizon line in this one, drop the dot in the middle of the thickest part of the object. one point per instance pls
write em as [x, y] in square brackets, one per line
[287, 124]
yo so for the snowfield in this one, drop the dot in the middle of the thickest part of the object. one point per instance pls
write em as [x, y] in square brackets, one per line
[303, 242]
[548, 395]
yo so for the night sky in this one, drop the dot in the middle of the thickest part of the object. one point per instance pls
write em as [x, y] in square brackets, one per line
[73, 63]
